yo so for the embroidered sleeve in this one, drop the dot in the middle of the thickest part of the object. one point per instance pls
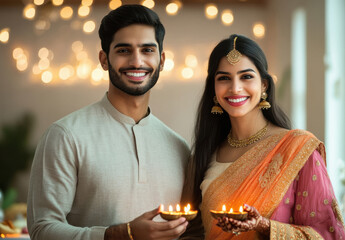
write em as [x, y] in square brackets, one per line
[315, 202]
[289, 231]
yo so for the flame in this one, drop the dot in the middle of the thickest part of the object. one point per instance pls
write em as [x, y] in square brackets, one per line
[223, 208]
[178, 208]
[186, 209]
[231, 211]
[170, 208]
[241, 209]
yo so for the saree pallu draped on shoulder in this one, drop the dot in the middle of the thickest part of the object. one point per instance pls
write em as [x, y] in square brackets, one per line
[260, 178]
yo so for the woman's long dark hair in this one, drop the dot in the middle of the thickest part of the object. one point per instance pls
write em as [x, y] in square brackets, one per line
[211, 130]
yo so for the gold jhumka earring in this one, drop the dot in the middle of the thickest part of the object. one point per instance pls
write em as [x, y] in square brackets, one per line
[264, 104]
[234, 56]
[216, 109]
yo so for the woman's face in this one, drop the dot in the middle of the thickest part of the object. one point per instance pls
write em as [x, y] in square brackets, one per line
[239, 87]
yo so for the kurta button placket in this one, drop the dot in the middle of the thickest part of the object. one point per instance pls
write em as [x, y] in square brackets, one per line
[139, 139]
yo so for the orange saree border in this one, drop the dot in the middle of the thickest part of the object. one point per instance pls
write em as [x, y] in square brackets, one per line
[259, 178]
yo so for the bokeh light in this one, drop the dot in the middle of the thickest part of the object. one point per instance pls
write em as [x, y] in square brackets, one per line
[259, 30]
[211, 11]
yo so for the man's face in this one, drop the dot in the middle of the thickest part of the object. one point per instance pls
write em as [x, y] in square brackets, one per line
[134, 61]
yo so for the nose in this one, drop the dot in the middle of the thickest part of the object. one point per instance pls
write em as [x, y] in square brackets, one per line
[236, 86]
[136, 59]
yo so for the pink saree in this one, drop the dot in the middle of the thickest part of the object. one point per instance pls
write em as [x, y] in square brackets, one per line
[285, 178]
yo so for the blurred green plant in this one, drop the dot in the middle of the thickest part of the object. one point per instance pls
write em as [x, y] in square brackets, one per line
[15, 154]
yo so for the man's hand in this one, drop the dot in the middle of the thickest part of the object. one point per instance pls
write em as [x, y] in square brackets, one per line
[144, 228]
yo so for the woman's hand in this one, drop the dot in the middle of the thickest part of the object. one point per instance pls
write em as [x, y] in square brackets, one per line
[254, 222]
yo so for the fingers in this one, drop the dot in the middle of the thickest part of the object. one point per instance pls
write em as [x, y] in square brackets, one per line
[164, 226]
[251, 210]
[151, 214]
[169, 230]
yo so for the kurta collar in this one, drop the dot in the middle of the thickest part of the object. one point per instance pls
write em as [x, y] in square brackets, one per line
[120, 116]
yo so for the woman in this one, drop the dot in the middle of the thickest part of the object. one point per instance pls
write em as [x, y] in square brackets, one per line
[246, 155]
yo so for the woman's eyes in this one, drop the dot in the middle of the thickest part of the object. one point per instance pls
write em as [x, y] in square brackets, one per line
[225, 77]
[246, 76]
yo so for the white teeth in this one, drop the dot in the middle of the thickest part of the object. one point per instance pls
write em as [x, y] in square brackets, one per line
[237, 100]
[132, 74]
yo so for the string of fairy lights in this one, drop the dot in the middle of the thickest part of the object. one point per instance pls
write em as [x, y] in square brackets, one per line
[44, 12]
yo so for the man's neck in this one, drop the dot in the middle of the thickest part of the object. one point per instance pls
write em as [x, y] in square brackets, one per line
[135, 107]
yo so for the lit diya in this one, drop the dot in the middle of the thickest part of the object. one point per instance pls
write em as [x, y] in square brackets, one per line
[172, 215]
[237, 215]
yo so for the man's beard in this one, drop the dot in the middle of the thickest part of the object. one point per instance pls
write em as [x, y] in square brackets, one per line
[134, 91]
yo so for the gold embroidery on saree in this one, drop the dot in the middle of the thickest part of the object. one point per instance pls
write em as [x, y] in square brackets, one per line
[337, 212]
[272, 171]
[242, 169]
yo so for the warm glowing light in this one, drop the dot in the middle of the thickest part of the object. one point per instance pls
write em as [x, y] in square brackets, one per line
[89, 26]
[178, 208]
[169, 54]
[77, 46]
[44, 64]
[42, 24]
[223, 208]
[87, 3]
[83, 70]
[168, 64]
[38, 2]
[241, 209]
[191, 61]
[17, 53]
[148, 3]
[83, 11]
[29, 11]
[57, 2]
[66, 72]
[259, 30]
[227, 17]
[105, 75]
[36, 70]
[43, 53]
[97, 74]
[113, 4]
[231, 210]
[66, 13]
[187, 209]
[47, 76]
[172, 8]
[22, 64]
[82, 55]
[4, 35]
[187, 73]
[170, 208]
[211, 11]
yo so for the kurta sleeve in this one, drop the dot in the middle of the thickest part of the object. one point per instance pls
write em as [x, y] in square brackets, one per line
[52, 189]
[315, 213]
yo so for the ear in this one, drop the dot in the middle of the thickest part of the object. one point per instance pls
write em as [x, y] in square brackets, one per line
[264, 85]
[103, 59]
[162, 61]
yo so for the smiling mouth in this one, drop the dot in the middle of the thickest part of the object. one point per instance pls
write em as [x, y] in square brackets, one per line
[136, 74]
[237, 100]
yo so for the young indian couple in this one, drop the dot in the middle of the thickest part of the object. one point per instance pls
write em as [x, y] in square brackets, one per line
[98, 172]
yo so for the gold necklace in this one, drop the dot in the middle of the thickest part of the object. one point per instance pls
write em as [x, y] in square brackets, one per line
[245, 142]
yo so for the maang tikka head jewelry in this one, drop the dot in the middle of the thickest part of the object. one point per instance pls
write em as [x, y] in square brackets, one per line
[234, 56]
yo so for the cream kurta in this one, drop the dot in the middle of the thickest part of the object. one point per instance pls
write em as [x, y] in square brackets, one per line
[96, 167]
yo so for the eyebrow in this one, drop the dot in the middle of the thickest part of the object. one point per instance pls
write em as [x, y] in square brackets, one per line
[239, 72]
[139, 45]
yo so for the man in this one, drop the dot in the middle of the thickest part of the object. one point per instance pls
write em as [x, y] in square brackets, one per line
[99, 172]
